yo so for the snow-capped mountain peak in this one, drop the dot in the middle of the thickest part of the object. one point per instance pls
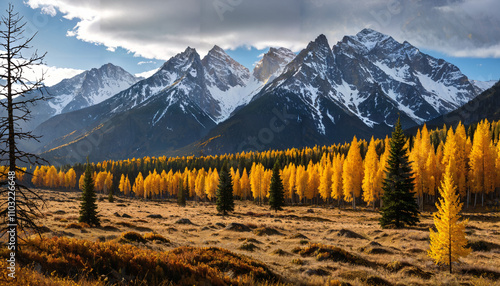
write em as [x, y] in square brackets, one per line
[322, 95]
[272, 64]
[362, 71]
[89, 88]
[223, 71]
[370, 38]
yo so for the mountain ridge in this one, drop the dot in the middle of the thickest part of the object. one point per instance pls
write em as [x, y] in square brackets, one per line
[359, 86]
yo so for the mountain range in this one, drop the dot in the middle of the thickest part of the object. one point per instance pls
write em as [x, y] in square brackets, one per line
[83, 90]
[212, 105]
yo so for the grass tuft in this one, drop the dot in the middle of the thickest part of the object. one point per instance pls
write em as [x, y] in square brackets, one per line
[155, 236]
[132, 236]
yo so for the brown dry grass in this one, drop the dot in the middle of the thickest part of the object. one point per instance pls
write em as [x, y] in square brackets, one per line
[404, 263]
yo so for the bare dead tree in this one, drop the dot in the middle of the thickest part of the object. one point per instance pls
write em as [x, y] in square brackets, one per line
[17, 213]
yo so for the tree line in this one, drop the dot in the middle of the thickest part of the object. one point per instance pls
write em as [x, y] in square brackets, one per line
[340, 173]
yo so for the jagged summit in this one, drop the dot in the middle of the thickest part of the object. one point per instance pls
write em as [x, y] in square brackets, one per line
[321, 95]
[223, 71]
[272, 63]
[370, 35]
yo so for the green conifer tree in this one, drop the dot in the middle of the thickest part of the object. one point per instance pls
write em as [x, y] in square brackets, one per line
[110, 196]
[276, 190]
[88, 207]
[224, 194]
[400, 207]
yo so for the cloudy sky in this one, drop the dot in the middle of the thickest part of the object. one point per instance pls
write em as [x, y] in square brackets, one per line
[141, 35]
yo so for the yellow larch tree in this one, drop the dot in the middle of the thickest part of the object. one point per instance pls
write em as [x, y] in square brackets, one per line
[70, 180]
[448, 243]
[449, 154]
[235, 175]
[175, 182]
[108, 182]
[147, 186]
[301, 181]
[313, 181]
[155, 184]
[37, 179]
[164, 183]
[61, 179]
[127, 188]
[121, 184]
[430, 174]
[211, 184]
[418, 158]
[414, 158]
[285, 178]
[192, 182]
[291, 182]
[462, 159]
[482, 162]
[382, 166]
[266, 182]
[99, 181]
[370, 178]
[325, 182]
[200, 184]
[439, 171]
[497, 166]
[256, 181]
[245, 184]
[138, 187]
[80, 182]
[51, 178]
[170, 183]
[352, 174]
[337, 187]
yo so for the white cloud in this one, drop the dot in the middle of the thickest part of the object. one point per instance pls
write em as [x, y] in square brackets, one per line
[56, 75]
[49, 10]
[486, 52]
[160, 29]
[146, 63]
[52, 75]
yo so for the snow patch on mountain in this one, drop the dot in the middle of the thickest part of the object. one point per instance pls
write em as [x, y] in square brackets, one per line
[398, 74]
[59, 102]
[439, 91]
[146, 74]
[234, 97]
[483, 85]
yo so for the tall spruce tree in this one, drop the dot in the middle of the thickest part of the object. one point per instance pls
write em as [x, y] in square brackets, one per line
[276, 190]
[88, 207]
[224, 194]
[400, 207]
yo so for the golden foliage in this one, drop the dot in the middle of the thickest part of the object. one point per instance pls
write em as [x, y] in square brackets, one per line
[448, 243]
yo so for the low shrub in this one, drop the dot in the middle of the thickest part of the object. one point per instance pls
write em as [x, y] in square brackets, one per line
[69, 257]
[79, 225]
[155, 236]
[248, 247]
[132, 236]
[328, 252]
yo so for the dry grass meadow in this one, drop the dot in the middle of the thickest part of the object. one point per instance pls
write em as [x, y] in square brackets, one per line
[306, 245]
